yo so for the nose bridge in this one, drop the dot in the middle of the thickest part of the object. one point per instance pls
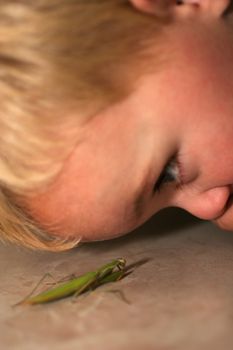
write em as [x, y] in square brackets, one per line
[208, 204]
[215, 7]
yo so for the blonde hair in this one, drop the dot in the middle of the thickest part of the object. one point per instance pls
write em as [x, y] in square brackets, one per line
[55, 57]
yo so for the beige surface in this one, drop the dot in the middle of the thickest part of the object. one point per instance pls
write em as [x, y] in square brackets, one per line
[181, 298]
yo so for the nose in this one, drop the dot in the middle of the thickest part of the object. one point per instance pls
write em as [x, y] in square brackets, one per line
[207, 205]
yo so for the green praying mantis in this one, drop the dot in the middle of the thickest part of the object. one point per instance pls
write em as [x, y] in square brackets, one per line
[110, 272]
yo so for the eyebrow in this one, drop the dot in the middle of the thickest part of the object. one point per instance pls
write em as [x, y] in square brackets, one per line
[138, 203]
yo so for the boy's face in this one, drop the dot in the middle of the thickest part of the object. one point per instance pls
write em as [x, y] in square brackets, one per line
[174, 132]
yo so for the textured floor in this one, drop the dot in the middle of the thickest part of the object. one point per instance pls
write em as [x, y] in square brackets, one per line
[179, 297]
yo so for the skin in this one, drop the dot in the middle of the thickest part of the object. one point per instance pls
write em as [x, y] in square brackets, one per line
[184, 111]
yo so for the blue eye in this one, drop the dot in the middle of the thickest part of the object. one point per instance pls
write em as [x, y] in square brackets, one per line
[169, 174]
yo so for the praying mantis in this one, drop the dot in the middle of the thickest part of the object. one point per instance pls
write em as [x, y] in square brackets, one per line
[110, 272]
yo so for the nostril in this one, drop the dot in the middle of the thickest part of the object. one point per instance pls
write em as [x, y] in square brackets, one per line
[229, 201]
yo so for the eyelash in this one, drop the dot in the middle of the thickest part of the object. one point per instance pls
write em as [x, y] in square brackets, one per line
[170, 173]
